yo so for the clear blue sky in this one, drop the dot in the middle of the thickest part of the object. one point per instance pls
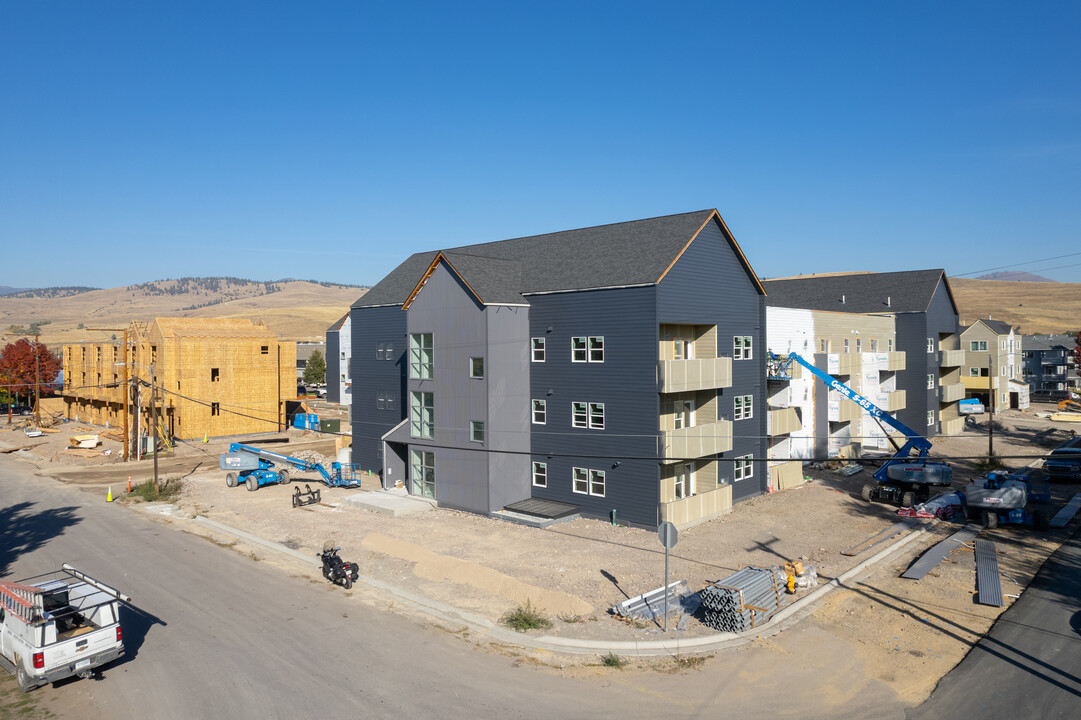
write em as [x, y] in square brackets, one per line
[329, 140]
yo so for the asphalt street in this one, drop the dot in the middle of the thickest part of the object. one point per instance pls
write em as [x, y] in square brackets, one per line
[1029, 664]
[217, 634]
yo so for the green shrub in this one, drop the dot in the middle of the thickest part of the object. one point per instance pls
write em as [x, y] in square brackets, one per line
[525, 617]
[989, 463]
[168, 489]
[613, 660]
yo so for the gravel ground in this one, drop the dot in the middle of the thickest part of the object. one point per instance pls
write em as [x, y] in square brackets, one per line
[909, 632]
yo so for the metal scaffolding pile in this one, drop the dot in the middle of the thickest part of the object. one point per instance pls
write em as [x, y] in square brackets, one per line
[742, 601]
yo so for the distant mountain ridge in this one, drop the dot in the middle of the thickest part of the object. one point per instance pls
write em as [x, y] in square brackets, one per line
[1015, 276]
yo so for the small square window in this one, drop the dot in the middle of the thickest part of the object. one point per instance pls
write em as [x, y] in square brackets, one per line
[596, 416]
[538, 349]
[540, 412]
[215, 375]
[476, 429]
[476, 367]
[264, 350]
[540, 474]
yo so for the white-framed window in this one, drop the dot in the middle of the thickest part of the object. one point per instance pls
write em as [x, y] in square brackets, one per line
[1002, 371]
[824, 346]
[423, 466]
[596, 483]
[977, 345]
[596, 416]
[742, 408]
[421, 356]
[930, 417]
[744, 468]
[859, 345]
[537, 344]
[389, 352]
[741, 347]
[684, 480]
[540, 474]
[1002, 345]
[578, 350]
[421, 414]
[1004, 398]
[683, 349]
[930, 345]
[973, 372]
[476, 430]
[846, 344]
[889, 344]
[930, 381]
[540, 412]
[874, 345]
[579, 415]
[476, 367]
[683, 414]
[580, 480]
[596, 349]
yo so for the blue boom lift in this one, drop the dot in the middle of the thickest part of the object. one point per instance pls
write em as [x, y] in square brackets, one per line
[254, 467]
[901, 478]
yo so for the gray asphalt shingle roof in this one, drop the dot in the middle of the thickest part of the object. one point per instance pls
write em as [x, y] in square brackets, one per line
[997, 326]
[895, 292]
[628, 253]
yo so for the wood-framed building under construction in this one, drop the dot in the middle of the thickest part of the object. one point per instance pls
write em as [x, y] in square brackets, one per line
[213, 376]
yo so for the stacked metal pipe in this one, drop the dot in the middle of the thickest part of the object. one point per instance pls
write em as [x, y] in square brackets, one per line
[742, 601]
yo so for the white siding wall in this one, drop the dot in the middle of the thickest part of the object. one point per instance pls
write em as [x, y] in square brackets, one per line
[345, 344]
[791, 330]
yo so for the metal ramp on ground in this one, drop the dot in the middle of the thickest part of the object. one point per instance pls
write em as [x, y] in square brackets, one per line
[988, 583]
[1065, 515]
[545, 509]
[930, 559]
[906, 524]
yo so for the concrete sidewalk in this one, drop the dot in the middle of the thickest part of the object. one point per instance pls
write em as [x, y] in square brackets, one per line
[670, 646]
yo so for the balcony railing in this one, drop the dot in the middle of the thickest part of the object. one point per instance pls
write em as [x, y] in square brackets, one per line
[844, 363]
[783, 421]
[786, 475]
[953, 426]
[894, 401]
[698, 441]
[696, 508]
[690, 375]
[952, 358]
[952, 392]
[895, 361]
[841, 409]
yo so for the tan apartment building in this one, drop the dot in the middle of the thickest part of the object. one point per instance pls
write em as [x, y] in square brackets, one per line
[994, 364]
[214, 377]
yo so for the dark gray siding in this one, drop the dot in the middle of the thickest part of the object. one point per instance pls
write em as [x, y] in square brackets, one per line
[374, 377]
[334, 363]
[912, 337]
[942, 321]
[626, 382]
[709, 285]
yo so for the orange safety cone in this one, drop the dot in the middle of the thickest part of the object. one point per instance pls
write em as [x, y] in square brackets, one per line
[109, 497]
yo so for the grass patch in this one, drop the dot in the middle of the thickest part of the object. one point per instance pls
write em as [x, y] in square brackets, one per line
[690, 662]
[168, 489]
[989, 463]
[525, 617]
[613, 660]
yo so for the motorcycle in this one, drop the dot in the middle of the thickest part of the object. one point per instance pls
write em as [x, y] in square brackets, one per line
[335, 569]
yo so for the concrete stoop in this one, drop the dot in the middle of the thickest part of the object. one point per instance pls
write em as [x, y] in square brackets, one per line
[392, 502]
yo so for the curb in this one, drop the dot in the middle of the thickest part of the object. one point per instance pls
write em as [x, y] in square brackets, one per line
[779, 621]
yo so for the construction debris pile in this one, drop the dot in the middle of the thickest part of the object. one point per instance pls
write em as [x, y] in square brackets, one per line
[742, 601]
[311, 456]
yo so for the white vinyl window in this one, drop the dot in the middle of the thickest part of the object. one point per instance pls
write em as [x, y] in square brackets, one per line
[846, 344]
[421, 414]
[581, 480]
[538, 349]
[930, 417]
[579, 416]
[596, 416]
[977, 345]
[741, 347]
[540, 412]
[421, 356]
[742, 407]
[596, 349]
[684, 480]
[683, 349]
[596, 483]
[859, 345]
[588, 482]
[476, 367]
[540, 474]
[874, 345]
[930, 381]
[683, 414]
[476, 430]
[578, 349]
[744, 468]
[889, 345]
[974, 372]
[930, 345]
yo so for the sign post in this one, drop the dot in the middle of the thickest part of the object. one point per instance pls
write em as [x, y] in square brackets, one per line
[668, 537]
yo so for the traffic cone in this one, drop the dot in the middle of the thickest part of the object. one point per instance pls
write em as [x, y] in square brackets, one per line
[109, 497]
[206, 438]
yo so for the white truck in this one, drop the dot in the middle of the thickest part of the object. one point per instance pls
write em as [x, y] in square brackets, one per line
[57, 625]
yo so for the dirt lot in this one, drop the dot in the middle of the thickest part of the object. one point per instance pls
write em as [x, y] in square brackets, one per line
[907, 633]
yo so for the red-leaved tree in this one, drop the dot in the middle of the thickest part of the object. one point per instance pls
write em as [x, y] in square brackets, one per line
[24, 360]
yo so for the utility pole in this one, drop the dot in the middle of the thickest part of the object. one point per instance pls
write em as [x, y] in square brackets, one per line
[154, 423]
[37, 386]
[991, 408]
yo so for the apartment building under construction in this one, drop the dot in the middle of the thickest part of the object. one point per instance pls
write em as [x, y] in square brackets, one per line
[213, 377]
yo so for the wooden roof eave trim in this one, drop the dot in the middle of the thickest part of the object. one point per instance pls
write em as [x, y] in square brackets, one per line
[428, 273]
[732, 240]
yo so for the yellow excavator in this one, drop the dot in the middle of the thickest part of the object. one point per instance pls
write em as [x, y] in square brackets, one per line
[1069, 406]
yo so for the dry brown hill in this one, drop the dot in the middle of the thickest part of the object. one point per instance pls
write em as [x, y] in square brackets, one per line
[295, 310]
[1035, 307]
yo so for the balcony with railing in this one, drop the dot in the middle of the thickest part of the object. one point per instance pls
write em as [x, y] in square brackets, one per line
[951, 358]
[698, 441]
[782, 421]
[696, 508]
[696, 374]
[895, 361]
[952, 392]
[894, 401]
[953, 426]
[841, 409]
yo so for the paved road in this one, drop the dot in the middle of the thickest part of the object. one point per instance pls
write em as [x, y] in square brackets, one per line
[219, 635]
[1029, 664]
